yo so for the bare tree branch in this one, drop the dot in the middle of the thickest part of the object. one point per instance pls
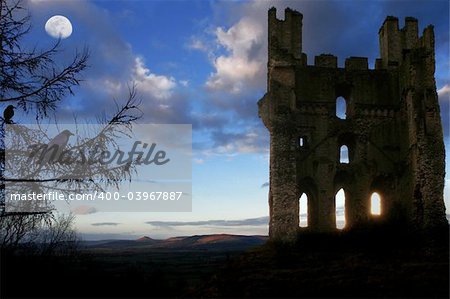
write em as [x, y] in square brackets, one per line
[32, 80]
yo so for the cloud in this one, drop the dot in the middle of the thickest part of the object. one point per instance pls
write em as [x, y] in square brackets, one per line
[251, 140]
[222, 142]
[244, 222]
[161, 87]
[241, 66]
[105, 224]
[197, 44]
[84, 210]
[199, 161]
[444, 91]
[444, 102]
[184, 83]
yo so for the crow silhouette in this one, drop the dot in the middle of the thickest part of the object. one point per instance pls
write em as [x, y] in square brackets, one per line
[8, 114]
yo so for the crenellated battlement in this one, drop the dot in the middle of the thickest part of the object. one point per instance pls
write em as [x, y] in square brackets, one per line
[351, 63]
[427, 38]
[356, 63]
[326, 60]
[395, 41]
[285, 42]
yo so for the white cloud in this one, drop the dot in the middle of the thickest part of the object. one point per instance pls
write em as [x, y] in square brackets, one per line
[159, 86]
[249, 143]
[156, 86]
[197, 44]
[199, 161]
[184, 83]
[444, 91]
[113, 87]
[242, 65]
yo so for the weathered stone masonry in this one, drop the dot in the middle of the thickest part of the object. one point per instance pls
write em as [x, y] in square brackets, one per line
[392, 130]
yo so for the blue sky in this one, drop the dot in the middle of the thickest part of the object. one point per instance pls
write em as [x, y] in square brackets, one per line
[204, 63]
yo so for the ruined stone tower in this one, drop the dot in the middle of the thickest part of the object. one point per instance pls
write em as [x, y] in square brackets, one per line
[392, 130]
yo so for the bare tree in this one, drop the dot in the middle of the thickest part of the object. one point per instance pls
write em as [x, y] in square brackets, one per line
[17, 227]
[32, 81]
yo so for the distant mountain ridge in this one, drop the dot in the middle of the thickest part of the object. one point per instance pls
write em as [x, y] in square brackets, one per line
[145, 239]
[196, 242]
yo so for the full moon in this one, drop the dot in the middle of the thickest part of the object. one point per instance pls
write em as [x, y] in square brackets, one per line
[58, 27]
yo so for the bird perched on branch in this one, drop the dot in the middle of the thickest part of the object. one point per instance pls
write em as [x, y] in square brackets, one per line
[8, 114]
[60, 140]
[57, 145]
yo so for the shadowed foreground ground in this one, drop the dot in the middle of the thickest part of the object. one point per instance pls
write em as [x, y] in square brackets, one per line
[335, 265]
[340, 265]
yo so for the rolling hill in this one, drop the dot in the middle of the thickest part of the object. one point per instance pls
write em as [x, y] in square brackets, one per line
[197, 242]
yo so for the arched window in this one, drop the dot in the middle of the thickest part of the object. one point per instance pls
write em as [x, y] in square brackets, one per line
[340, 209]
[302, 141]
[343, 154]
[303, 210]
[341, 108]
[375, 204]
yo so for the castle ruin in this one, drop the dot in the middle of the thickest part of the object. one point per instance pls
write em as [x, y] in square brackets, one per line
[392, 131]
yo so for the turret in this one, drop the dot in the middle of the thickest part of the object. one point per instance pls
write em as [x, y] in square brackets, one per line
[390, 42]
[285, 36]
[395, 42]
[410, 33]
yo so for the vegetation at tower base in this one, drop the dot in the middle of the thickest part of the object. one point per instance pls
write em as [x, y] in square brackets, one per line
[392, 130]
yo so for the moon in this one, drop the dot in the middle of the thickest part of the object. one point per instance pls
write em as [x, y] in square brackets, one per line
[58, 27]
